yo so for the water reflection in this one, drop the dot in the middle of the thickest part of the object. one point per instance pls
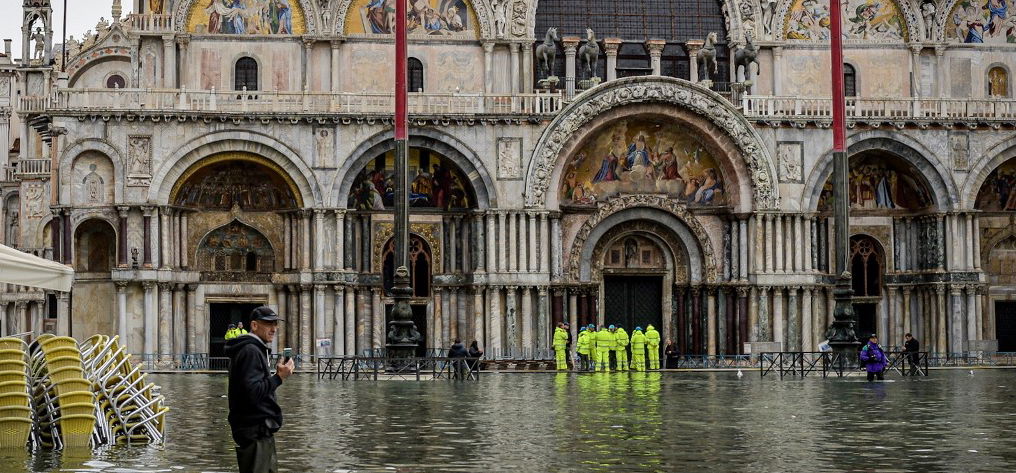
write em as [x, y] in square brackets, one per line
[591, 422]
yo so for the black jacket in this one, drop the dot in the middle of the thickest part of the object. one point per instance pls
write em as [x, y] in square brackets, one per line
[252, 384]
[912, 346]
[458, 350]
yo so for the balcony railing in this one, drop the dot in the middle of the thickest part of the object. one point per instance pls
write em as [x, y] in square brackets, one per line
[26, 168]
[8, 173]
[887, 109]
[182, 100]
[150, 22]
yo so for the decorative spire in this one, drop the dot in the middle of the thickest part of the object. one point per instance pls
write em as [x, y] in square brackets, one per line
[116, 11]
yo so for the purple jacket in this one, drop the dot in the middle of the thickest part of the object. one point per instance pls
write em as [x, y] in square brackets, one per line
[873, 358]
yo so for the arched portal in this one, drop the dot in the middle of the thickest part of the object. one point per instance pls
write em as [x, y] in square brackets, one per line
[94, 246]
[244, 180]
[881, 182]
[1000, 264]
[998, 191]
[420, 266]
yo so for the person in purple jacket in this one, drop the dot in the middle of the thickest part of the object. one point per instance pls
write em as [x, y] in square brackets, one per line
[874, 359]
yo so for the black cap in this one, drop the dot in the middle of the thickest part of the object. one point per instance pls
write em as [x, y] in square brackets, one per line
[264, 313]
[873, 336]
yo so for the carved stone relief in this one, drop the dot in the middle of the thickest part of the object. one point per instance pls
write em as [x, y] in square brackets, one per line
[959, 149]
[34, 205]
[630, 91]
[324, 147]
[790, 155]
[139, 158]
[509, 158]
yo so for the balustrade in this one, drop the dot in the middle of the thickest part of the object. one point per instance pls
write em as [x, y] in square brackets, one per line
[804, 108]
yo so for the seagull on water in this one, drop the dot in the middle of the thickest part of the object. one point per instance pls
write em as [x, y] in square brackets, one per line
[739, 373]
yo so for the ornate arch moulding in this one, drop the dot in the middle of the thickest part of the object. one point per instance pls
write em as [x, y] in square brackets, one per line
[647, 201]
[640, 90]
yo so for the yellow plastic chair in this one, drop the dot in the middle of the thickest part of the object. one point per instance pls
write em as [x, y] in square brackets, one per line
[76, 429]
[14, 399]
[14, 431]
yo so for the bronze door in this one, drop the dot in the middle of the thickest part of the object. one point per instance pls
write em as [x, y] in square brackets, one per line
[633, 301]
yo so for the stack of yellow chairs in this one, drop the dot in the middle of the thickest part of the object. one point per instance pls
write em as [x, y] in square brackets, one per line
[15, 401]
[64, 401]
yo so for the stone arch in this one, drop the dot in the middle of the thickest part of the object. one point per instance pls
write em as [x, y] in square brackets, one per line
[169, 172]
[76, 149]
[912, 20]
[882, 260]
[340, 10]
[620, 210]
[92, 179]
[95, 245]
[673, 249]
[87, 66]
[943, 190]
[749, 159]
[310, 15]
[249, 249]
[1008, 79]
[12, 219]
[457, 151]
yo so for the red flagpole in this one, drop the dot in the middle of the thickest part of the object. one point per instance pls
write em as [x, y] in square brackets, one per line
[836, 45]
[401, 115]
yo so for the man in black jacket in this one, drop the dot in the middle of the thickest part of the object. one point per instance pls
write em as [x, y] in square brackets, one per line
[254, 415]
[912, 348]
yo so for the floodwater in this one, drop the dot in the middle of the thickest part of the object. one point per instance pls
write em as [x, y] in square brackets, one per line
[951, 421]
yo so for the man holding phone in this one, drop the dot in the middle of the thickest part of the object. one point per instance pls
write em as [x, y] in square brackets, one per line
[254, 414]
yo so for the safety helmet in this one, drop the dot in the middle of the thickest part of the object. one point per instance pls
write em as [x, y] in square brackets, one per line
[611, 327]
[638, 329]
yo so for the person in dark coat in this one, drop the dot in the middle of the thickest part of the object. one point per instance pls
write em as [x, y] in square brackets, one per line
[475, 353]
[874, 359]
[673, 354]
[912, 348]
[458, 350]
[254, 414]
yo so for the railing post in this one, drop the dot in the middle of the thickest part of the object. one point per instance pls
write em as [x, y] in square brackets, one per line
[212, 102]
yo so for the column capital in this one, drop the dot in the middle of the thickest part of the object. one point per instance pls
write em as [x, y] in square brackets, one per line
[742, 291]
[940, 50]
[305, 287]
[693, 45]
[148, 285]
[611, 45]
[147, 210]
[164, 285]
[338, 288]
[778, 51]
[955, 290]
[513, 47]
[340, 212]
[192, 287]
[183, 40]
[308, 41]
[655, 46]
[915, 49]
[168, 41]
[907, 290]
[570, 43]
[121, 286]
[20, 305]
[319, 213]
[335, 43]
[488, 46]
[63, 295]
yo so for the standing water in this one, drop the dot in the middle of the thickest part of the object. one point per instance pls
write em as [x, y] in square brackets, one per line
[950, 421]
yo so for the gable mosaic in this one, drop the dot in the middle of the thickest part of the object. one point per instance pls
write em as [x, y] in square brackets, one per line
[424, 18]
[981, 21]
[873, 20]
[246, 17]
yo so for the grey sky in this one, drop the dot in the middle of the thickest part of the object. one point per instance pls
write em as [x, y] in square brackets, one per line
[82, 15]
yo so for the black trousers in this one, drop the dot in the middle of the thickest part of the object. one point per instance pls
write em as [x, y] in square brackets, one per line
[255, 450]
[876, 374]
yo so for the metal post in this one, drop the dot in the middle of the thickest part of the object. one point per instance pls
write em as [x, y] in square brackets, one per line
[403, 337]
[841, 331]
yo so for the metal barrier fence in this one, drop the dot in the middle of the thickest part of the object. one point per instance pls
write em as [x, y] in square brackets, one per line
[804, 363]
[373, 368]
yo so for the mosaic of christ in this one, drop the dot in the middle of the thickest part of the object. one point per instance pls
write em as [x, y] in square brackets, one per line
[642, 155]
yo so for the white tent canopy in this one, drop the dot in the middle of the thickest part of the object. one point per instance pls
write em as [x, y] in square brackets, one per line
[18, 267]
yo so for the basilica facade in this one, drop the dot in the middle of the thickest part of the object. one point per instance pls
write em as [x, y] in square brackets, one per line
[592, 162]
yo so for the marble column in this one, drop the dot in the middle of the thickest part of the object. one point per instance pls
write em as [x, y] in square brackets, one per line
[319, 239]
[765, 333]
[976, 237]
[955, 323]
[544, 243]
[542, 316]
[793, 341]
[179, 319]
[531, 250]
[895, 324]
[742, 234]
[941, 326]
[478, 326]
[777, 70]
[513, 242]
[610, 47]
[696, 320]
[340, 225]
[147, 236]
[743, 321]
[305, 240]
[460, 330]
[800, 243]
[335, 65]
[907, 328]
[526, 322]
[779, 317]
[502, 243]
[287, 241]
[655, 48]
[190, 318]
[168, 63]
[150, 317]
[495, 327]
[513, 50]
[767, 241]
[362, 319]
[164, 315]
[184, 42]
[320, 323]
[941, 71]
[63, 314]
[972, 316]
[527, 67]
[693, 47]
[779, 243]
[915, 67]
[121, 237]
[556, 269]
[442, 317]
[512, 321]
[308, 68]
[570, 44]
[349, 326]
[20, 314]
[807, 323]
[306, 343]
[164, 238]
[754, 324]
[378, 318]
[819, 325]
[711, 322]
[882, 322]
[488, 67]
[491, 244]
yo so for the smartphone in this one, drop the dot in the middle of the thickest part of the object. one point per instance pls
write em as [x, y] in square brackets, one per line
[287, 354]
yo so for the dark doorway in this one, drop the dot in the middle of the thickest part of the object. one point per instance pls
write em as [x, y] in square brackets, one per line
[219, 317]
[420, 319]
[866, 321]
[633, 301]
[1005, 325]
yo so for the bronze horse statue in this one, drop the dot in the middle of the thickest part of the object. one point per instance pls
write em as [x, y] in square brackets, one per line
[590, 53]
[546, 52]
[707, 55]
[746, 56]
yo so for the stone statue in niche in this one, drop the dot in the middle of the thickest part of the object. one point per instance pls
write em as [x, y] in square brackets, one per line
[958, 148]
[768, 18]
[93, 186]
[631, 250]
[324, 142]
[928, 10]
[500, 17]
[13, 230]
[40, 44]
